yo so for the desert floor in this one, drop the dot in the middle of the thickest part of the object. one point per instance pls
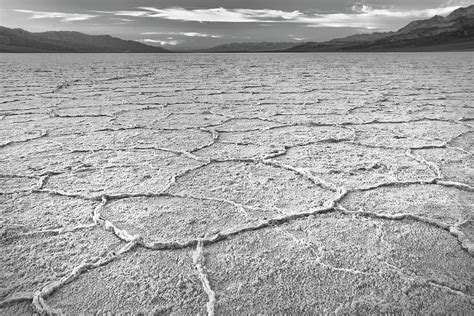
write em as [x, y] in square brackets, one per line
[236, 183]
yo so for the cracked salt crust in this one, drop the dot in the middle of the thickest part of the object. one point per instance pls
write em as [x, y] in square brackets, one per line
[235, 188]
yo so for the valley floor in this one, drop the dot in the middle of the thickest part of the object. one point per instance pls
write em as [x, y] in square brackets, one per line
[338, 183]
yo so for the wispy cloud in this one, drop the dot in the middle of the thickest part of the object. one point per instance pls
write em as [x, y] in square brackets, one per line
[127, 13]
[214, 14]
[361, 16]
[195, 34]
[161, 42]
[188, 34]
[462, 3]
[65, 17]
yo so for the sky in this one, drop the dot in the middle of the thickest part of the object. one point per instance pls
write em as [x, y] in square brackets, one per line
[195, 24]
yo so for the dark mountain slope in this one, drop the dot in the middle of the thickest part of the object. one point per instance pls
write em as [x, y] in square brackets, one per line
[18, 40]
[454, 32]
[250, 47]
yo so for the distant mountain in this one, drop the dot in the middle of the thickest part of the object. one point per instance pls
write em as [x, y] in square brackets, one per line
[19, 40]
[454, 32]
[361, 38]
[250, 47]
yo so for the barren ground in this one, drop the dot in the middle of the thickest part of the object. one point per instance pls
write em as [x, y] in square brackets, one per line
[330, 183]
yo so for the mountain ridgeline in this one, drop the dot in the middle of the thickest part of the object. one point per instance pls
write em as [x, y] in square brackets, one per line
[454, 32]
[18, 40]
[250, 47]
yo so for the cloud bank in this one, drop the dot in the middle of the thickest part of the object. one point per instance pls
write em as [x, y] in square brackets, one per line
[361, 16]
[188, 34]
[161, 42]
[64, 17]
[218, 14]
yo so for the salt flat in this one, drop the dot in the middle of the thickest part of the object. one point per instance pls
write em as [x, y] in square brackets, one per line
[244, 183]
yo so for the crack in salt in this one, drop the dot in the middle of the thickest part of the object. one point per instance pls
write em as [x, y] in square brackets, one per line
[198, 260]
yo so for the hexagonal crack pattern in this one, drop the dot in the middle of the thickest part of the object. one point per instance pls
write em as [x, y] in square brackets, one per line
[239, 187]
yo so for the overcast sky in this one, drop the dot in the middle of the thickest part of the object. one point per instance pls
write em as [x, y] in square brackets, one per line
[205, 23]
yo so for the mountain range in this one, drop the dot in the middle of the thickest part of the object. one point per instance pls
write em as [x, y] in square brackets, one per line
[250, 47]
[453, 32]
[19, 40]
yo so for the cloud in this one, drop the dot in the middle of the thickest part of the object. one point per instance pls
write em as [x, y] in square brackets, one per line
[170, 40]
[161, 42]
[128, 13]
[361, 16]
[64, 17]
[195, 34]
[189, 34]
[214, 14]
[462, 3]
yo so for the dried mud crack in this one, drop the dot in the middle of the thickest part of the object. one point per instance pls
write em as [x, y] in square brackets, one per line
[129, 193]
